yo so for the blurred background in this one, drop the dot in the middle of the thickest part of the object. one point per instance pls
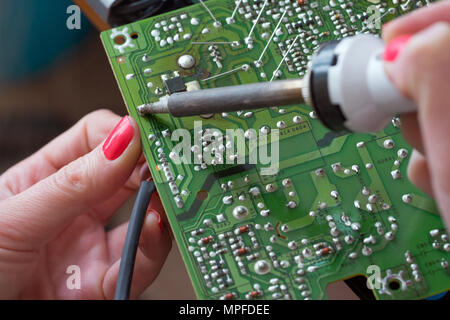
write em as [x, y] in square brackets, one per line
[50, 77]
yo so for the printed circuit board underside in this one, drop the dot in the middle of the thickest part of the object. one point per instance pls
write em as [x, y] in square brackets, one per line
[337, 206]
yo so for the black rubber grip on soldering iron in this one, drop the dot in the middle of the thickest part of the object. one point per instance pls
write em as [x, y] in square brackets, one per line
[329, 113]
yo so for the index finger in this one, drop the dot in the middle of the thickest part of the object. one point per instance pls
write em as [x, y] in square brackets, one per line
[72, 144]
[417, 20]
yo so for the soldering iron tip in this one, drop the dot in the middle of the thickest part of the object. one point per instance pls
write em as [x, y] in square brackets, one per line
[144, 109]
[160, 106]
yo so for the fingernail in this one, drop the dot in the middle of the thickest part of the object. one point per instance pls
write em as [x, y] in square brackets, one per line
[394, 47]
[119, 139]
[158, 218]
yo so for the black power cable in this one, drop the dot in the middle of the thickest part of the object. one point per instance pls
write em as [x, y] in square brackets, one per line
[130, 247]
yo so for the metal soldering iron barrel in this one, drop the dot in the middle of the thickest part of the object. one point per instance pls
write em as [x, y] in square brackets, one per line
[228, 99]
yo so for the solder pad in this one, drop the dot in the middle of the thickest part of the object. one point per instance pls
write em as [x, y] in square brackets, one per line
[352, 211]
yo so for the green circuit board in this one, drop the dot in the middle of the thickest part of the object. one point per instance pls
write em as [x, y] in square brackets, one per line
[329, 208]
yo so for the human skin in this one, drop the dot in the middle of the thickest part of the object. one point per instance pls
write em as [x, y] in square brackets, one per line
[421, 72]
[54, 207]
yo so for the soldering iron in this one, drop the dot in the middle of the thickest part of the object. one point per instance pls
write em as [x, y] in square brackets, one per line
[346, 85]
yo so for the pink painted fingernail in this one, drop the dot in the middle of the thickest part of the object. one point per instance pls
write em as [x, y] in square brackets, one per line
[158, 218]
[394, 47]
[119, 139]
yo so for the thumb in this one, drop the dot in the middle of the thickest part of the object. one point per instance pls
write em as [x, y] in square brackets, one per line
[35, 216]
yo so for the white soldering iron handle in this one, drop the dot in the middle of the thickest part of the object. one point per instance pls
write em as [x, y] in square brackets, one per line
[360, 96]
[385, 95]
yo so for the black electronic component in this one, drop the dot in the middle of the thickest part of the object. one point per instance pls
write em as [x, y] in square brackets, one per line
[175, 84]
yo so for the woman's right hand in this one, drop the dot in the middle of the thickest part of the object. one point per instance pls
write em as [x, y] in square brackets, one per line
[421, 71]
